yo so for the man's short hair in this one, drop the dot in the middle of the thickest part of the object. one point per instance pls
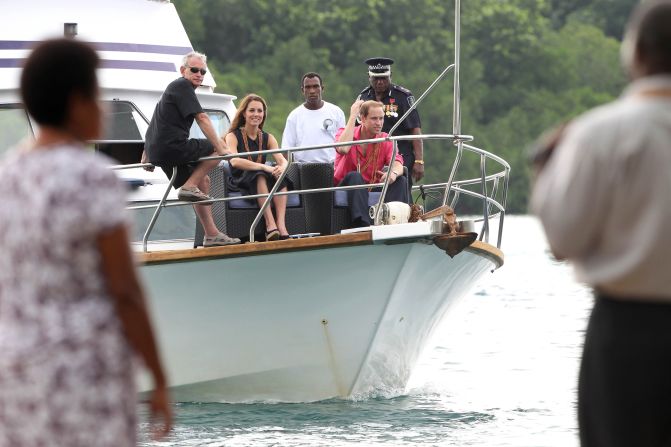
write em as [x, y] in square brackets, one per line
[55, 70]
[367, 105]
[311, 74]
[647, 41]
[201, 56]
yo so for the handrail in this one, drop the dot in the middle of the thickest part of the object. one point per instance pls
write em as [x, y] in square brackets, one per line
[267, 202]
[116, 141]
[316, 146]
[457, 187]
[488, 196]
[485, 204]
[421, 98]
[258, 196]
[272, 193]
[378, 209]
[154, 216]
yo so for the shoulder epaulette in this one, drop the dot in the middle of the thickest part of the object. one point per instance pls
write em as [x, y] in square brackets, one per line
[365, 90]
[402, 89]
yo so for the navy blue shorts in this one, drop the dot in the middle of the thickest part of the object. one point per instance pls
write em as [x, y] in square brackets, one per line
[186, 163]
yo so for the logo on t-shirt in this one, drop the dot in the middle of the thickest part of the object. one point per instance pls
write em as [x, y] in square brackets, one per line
[329, 126]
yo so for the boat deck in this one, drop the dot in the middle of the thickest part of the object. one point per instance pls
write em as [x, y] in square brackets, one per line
[310, 243]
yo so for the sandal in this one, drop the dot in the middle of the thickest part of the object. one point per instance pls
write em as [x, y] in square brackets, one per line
[272, 235]
[219, 240]
[192, 195]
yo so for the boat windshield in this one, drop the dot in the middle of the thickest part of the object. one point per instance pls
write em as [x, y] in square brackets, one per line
[220, 122]
[124, 122]
[14, 126]
[125, 127]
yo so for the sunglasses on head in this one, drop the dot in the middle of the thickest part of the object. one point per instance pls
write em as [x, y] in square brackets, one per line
[195, 70]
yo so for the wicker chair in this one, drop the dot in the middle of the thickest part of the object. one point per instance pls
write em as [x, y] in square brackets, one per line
[235, 217]
[318, 206]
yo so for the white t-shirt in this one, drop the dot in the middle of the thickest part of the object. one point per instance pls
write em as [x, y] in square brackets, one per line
[307, 127]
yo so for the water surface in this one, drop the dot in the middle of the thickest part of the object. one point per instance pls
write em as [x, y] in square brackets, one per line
[500, 371]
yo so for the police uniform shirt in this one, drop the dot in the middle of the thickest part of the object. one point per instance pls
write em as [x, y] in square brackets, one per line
[397, 101]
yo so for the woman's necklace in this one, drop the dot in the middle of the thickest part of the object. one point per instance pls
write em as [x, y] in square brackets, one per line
[259, 157]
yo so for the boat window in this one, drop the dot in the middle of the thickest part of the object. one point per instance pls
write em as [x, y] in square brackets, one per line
[14, 126]
[124, 122]
[125, 128]
[220, 122]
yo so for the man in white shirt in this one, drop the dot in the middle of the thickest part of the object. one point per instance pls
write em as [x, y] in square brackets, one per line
[315, 122]
[603, 199]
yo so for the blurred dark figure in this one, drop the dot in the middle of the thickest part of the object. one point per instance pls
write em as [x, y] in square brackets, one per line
[543, 148]
[72, 312]
[603, 198]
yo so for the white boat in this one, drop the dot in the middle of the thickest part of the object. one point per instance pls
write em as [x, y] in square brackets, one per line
[305, 319]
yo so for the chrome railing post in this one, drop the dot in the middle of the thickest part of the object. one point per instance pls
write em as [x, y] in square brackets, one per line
[503, 203]
[157, 211]
[456, 103]
[420, 99]
[378, 210]
[268, 201]
[453, 172]
[485, 202]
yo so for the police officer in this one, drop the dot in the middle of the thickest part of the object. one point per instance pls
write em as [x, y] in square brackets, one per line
[397, 100]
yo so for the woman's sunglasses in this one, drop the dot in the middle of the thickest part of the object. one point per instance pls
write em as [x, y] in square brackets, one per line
[195, 70]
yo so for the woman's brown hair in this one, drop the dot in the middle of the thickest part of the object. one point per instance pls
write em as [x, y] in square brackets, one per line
[239, 119]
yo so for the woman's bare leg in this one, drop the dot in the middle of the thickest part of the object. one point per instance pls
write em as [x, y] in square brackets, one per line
[280, 212]
[262, 188]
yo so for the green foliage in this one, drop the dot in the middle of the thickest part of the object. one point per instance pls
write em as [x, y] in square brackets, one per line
[526, 65]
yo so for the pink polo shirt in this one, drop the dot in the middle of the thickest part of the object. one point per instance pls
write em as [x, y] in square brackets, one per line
[377, 156]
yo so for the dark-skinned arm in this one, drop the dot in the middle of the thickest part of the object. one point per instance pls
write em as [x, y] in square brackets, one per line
[118, 269]
[418, 150]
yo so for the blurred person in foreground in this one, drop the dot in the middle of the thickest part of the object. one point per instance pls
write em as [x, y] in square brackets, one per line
[603, 199]
[72, 311]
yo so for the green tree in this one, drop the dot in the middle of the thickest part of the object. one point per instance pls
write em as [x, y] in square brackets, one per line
[526, 64]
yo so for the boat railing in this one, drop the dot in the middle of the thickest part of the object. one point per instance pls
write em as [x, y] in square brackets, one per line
[487, 195]
[493, 198]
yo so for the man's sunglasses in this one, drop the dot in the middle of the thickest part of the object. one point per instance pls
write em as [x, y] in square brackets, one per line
[195, 70]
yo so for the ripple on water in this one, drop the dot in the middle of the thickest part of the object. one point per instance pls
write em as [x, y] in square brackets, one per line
[409, 420]
[502, 374]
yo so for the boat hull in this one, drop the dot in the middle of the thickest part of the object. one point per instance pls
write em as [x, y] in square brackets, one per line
[303, 325]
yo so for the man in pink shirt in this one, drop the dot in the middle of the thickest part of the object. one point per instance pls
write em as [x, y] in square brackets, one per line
[361, 164]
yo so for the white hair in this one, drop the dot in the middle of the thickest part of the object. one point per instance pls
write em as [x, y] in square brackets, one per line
[201, 56]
